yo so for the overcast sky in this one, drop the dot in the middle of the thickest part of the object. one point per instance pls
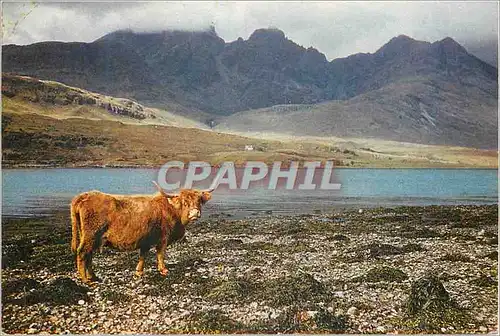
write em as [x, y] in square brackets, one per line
[337, 29]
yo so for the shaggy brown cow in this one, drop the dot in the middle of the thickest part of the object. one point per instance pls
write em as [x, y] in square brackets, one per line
[130, 222]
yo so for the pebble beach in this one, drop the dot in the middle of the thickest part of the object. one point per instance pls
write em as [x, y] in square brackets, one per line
[412, 269]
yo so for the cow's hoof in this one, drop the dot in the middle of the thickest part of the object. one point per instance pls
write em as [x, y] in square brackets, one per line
[94, 279]
[139, 273]
[164, 272]
[89, 283]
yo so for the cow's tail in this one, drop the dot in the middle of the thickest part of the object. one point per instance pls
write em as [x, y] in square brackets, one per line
[75, 224]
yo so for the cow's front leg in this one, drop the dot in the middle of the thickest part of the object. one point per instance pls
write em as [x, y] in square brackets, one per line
[139, 270]
[160, 257]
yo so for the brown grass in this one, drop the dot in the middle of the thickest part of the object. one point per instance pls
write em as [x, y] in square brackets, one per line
[36, 134]
[31, 139]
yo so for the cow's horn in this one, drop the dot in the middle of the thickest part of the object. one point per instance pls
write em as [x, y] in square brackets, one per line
[209, 190]
[160, 189]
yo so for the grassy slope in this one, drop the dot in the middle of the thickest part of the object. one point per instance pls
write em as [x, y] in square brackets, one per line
[31, 139]
[37, 132]
[392, 154]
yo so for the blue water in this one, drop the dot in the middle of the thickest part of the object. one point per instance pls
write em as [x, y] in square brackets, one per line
[32, 192]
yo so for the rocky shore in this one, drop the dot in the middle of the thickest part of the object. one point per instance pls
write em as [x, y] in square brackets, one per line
[400, 270]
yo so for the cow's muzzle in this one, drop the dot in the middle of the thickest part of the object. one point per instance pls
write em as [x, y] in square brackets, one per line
[194, 214]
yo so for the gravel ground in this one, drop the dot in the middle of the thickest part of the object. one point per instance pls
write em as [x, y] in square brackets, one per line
[345, 272]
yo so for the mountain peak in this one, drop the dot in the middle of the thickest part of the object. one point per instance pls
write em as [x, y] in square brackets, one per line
[267, 34]
[123, 34]
[400, 45]
[451, 45]
[402, 37]
[399, 41]
[448, 40]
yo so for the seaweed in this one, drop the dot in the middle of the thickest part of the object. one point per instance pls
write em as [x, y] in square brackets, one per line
[382, 273]
[61, 291]
[211, 321]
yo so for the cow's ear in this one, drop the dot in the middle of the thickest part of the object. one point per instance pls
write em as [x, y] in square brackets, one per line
[163, 191]
[205, 196]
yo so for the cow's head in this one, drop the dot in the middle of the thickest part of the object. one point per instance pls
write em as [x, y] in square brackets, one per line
[188, 202]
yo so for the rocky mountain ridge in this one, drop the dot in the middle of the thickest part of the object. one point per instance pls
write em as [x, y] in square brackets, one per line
[199, 74]
[199, 70]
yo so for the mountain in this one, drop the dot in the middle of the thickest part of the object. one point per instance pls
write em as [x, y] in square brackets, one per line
[403, 57]
[421, 110]
[430, 93]
[194, 69]
[198, 73]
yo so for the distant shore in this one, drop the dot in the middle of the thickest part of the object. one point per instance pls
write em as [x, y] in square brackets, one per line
[346, 271]
[155, 166]
[31, 140]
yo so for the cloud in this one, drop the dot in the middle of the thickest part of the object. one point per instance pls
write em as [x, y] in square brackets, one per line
[337, 29]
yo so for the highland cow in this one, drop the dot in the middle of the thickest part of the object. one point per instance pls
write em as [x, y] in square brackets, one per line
[130, 222]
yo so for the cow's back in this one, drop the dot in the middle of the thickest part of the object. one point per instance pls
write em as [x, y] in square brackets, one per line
[123, 221]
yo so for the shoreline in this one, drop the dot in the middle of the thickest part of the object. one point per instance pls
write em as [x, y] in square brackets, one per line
[341, 271]
[34, 166]
[350, 203]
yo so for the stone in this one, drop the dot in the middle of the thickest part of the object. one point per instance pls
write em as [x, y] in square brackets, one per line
[352, 311]
[312, 313]
[81, 302]
[339, 294]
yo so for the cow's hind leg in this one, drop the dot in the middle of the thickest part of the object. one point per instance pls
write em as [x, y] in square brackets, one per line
[97, 244]
[139, 270]
[90, 272]
[160, 258]
[83, 257]
[80, 264]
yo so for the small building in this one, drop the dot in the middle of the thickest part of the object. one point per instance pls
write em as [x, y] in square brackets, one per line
[249, 147]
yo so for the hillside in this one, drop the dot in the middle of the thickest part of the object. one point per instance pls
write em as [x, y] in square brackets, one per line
[23, 94]
[419, 110]
[34, 140]
[49, 124]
